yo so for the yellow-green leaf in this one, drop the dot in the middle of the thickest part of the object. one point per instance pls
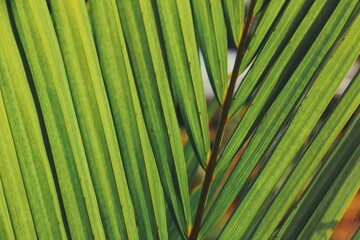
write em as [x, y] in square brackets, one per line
[184, 67]
[211, 31]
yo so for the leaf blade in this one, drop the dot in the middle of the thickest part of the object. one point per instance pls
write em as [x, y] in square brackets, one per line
[10, 173]
[310, 160]
[28, 140]
[211, 31]
[234, 12]
[42, 51]
[94, 115]
[134, 142]
[154, 94]
[311, 109]
[183, 59]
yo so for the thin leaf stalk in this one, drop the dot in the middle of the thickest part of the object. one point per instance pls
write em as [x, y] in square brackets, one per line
[224, 117]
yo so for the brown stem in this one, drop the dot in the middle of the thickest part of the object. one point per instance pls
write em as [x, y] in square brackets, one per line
[220, 130]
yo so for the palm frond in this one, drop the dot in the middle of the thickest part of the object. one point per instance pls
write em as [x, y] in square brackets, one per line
[93, 95]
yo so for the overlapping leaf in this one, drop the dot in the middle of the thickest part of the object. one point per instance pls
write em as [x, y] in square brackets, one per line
[139, 27]
[298, 84]
[336, 180]
[134, 142]
[184, 67]
[275, 44]
[211, 31]
[277, 115]
[270, 14]
[334, 204]
[234, 12]
[276, 77]
[309, 161]
[95, 118]
[94, 148]
[17, 204]
[43, 55]
[301, 125]
[28, 140]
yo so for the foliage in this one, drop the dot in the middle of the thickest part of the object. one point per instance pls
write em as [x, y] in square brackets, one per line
[90, 143]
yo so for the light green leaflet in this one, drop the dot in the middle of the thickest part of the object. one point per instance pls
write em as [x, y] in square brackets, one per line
[184, 67]
[137, 155]
[301, 126]
[43, 54]
[6, 229]
[298, 45]
[281, 109]
[189, 155]
[95, 119]
[330, 191]
[191, 168]
[334, 204]
[260, 4]
[139, 26]
[211, 32]
[309, 161]
[10, 174]
[234, 12]
[280, 36]
[28, 140]
[266, 20]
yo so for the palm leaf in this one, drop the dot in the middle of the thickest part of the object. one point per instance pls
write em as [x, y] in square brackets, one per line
[304, 120]
[280, 111]
[210, 27]
[182, 57]
[328, 187]
[289, 21]
[47, 68]
[28, 141]
[157, 105]
[6, 229]
[94, 116]
[90, 133]
[234, 12]
[17, 203]
[141, 174]
[310, 160]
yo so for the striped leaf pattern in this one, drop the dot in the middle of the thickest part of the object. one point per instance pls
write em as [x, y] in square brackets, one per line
[105, 132]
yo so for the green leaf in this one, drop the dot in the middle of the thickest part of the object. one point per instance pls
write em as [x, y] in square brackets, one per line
[139, 26]
[17, 202]
[191, 168]
[43, 55]
[300, 127]
[211, 32]
[260, 4]
[289, 21]
[336, 183]
[234, 12]
[309, 161]
[335, 203]
[183, 60]
[28, 140]
[270, 14]
[6, 228]
[94, 115]
[276, 78]
[137, 155]
[274, 120]
[190, 158]
[282, 108]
